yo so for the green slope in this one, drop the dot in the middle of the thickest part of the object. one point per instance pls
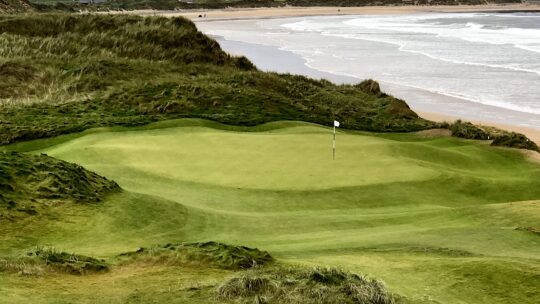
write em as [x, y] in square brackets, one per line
[438, 219]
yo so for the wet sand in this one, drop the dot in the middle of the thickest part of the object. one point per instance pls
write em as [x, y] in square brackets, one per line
[269, 58]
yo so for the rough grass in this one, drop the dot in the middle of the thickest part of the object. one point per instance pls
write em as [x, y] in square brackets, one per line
[515, 140]
[298, 285]
[69, 262]
[500, 137]
[210, 253]
[31, 183]
[48, 259]
[15, 6]
[22, 266]
[74, 72]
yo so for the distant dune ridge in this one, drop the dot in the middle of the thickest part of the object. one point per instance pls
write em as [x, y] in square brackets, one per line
[12, 6]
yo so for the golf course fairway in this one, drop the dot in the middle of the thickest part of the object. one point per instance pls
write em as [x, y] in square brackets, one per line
[438, 219]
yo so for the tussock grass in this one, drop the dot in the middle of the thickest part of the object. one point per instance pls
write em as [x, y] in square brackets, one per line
[299, 285]
[31, 183]
[515, 140]
[15, 6]
[208, 253]
[74, 72]
[500, 137]
[48, 259]
[69, 262]
[22, 266]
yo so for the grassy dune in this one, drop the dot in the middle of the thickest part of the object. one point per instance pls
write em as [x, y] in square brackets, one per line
[70, 73]
[440, 220]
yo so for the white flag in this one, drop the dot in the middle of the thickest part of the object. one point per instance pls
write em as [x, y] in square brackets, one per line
[336, 123]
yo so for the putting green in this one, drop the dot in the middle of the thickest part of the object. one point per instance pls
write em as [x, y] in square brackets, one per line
[269, 160]
[435, 218]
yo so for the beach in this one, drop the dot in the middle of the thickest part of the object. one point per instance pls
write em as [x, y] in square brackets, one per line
[439, 88]
[446, 66]
[284, 12]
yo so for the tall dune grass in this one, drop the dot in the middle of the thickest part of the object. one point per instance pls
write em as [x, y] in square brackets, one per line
[101, 70]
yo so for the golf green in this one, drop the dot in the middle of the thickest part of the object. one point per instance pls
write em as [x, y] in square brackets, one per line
[440, 219]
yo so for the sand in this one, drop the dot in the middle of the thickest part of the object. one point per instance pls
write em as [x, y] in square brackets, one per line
[260, 13]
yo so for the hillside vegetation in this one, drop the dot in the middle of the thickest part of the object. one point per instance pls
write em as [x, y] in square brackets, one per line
[73, 72]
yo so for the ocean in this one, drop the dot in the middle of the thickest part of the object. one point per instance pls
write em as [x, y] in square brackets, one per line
[479, 66]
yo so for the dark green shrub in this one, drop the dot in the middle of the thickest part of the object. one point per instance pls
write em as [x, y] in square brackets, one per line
[370, 86]
[468, 130]
[515, 140]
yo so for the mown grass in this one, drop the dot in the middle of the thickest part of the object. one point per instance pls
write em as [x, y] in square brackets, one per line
[437, 219]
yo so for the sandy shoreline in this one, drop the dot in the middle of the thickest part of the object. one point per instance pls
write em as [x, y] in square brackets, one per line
[283, 12]
[287, 62]
[286, 12]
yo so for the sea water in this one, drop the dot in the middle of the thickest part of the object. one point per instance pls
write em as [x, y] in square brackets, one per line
[482, 66]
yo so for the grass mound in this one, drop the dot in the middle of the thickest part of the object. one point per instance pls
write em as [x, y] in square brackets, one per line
[74, 72]
[515, 140]
[468, 130]
[297, 285]
[48, 259]
[29, 182]
[70, 262]
[500, 138]
[214, 253]
[23, 266]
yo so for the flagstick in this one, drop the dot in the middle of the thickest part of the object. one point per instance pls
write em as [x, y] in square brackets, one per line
[334, 144]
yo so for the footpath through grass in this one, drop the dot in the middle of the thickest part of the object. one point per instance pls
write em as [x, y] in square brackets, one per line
[440, 220]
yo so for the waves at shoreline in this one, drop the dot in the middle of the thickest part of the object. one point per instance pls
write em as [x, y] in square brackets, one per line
[478, 40]
[422, 58]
